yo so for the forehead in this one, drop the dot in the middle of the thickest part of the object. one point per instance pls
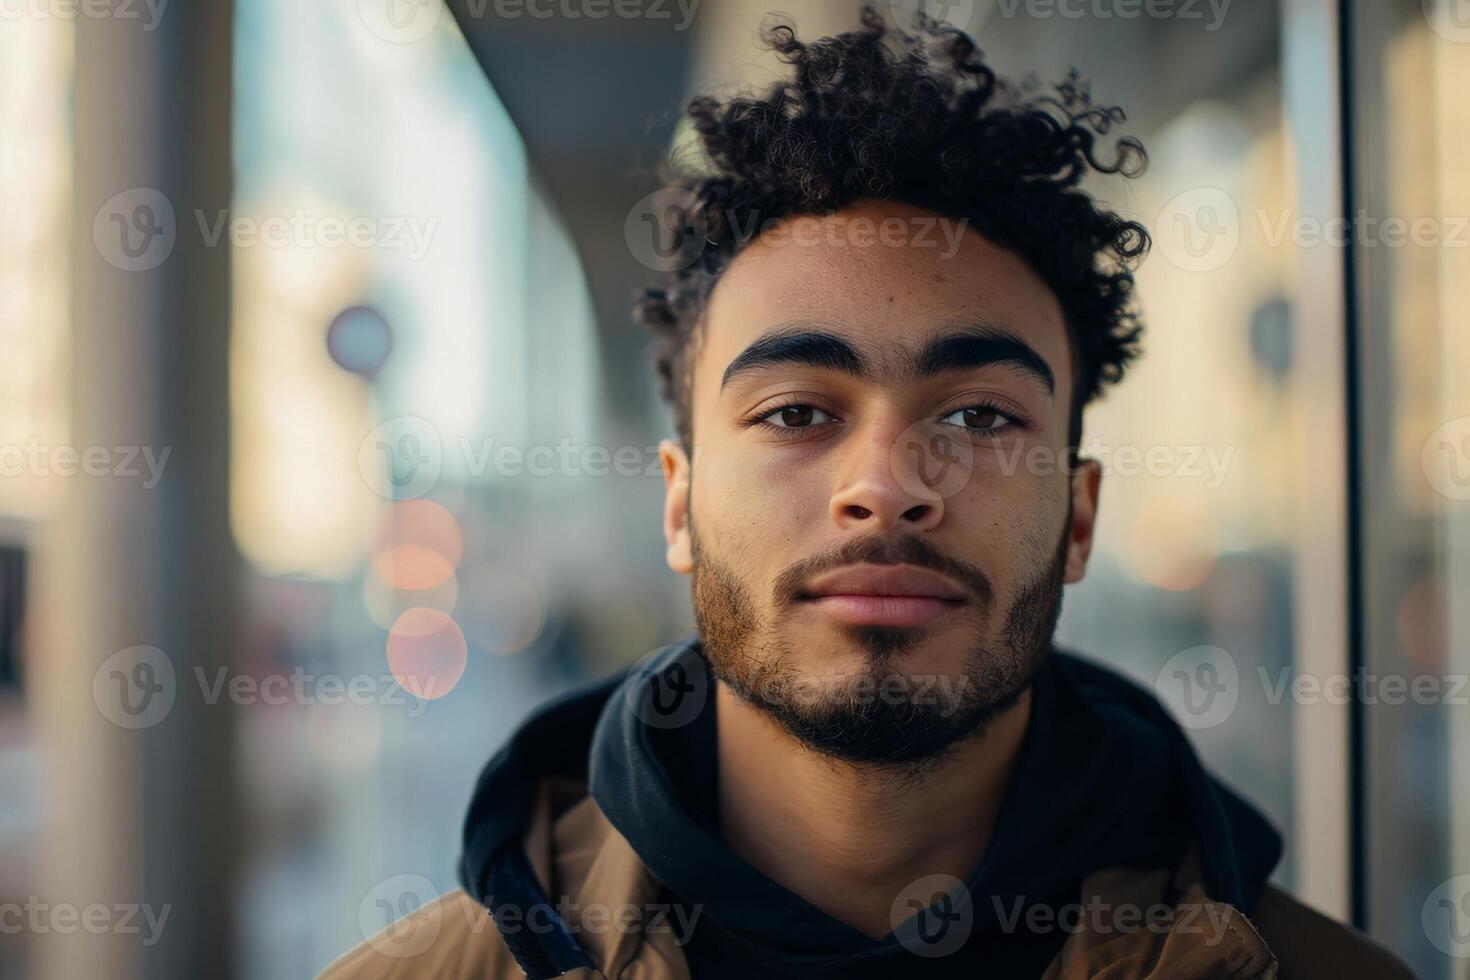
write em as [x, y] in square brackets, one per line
[884, 275]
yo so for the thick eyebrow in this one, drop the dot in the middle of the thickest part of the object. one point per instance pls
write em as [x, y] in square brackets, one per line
[967, 348]
[812, 348]
[978, 346]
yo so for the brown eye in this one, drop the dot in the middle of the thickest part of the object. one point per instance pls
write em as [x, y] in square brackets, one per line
[796, 417]
[979, 418]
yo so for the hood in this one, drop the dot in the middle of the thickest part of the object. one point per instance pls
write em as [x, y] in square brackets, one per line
[494, 868]
[1106, 778]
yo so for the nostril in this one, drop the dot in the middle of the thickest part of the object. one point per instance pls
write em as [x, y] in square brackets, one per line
[916, 512]
[860, 512]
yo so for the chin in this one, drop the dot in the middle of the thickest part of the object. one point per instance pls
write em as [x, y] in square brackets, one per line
[883, 650]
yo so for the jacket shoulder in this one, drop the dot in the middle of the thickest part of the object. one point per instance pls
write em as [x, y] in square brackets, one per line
[1309, 945]
[452, 937]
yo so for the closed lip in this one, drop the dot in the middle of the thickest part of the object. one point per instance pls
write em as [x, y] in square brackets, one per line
[884, 580]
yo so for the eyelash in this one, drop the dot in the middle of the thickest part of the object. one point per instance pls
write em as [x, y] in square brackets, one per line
[1014, 419]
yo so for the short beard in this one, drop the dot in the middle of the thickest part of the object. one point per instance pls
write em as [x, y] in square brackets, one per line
[882, 719]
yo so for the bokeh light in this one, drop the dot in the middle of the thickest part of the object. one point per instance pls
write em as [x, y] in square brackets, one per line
[411, 567]
[504, 611]
[1174, 545]
[359, 340]
[423, 524]
[385, 604]
[1423, 622]
[427, 653]
[418, 546]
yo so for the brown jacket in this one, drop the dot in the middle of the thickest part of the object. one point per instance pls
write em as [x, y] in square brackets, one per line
[580, 855]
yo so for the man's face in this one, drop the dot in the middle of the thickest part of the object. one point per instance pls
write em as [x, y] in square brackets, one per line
[879, 515]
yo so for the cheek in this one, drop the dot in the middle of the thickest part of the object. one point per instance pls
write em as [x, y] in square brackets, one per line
[1008, 512]
[746, 502]
[1023, 471]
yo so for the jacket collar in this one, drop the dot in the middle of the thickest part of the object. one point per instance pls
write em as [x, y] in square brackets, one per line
[512, 855]
[1127, 924]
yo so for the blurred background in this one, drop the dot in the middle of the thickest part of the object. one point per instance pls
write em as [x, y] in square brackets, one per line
[318, 378]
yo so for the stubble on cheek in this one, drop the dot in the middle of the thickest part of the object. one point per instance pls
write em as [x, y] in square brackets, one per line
[723, 608]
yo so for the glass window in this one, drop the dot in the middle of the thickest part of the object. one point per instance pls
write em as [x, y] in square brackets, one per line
[407, 307]
[1411, 144]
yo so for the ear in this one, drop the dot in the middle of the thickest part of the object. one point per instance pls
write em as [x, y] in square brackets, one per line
[676, 506]
[1086, 482]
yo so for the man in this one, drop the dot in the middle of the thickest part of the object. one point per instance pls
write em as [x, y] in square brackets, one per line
[870, 760]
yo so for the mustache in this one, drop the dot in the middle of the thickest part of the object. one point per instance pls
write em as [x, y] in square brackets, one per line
[906, 549]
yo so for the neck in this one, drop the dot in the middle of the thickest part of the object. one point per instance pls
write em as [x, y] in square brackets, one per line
[850, 838]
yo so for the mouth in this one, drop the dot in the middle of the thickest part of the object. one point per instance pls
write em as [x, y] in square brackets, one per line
[883, 595]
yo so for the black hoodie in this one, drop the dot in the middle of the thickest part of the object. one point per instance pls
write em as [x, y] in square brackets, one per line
[1105, 778]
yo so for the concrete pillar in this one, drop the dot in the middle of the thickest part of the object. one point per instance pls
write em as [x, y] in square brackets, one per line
[137, 778]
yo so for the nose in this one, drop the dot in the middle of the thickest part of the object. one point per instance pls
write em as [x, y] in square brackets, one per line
[878, 487]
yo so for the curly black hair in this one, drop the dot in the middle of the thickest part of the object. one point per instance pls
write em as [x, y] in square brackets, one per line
[918, 118]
